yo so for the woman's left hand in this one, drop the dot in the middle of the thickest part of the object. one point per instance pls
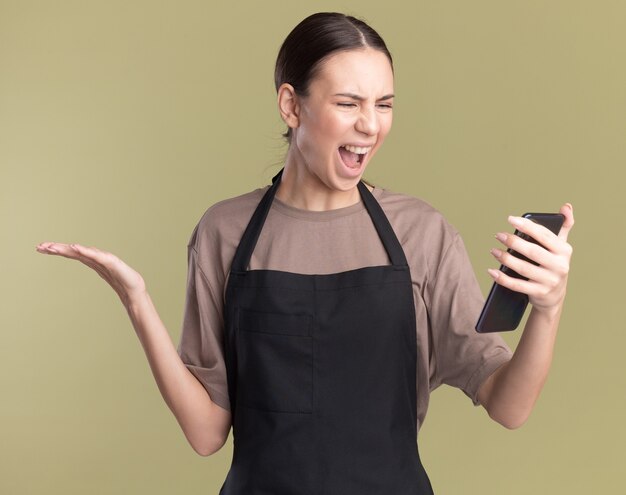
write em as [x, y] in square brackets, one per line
[547, 283]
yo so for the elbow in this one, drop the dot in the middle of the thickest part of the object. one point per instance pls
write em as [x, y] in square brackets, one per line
[203, 450]
[509, 415]
[208, 448]
[511, 421]
[512, 425]
[207, 445]
[209, 437]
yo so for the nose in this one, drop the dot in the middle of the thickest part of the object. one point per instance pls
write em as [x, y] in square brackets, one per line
[367, 122]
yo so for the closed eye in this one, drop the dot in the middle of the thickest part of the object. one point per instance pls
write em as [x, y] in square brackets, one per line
[384, 106]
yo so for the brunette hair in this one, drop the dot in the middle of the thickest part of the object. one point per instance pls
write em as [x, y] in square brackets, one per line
[313, 40]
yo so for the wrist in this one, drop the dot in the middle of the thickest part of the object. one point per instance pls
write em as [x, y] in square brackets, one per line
[547, 314]
[135, 299]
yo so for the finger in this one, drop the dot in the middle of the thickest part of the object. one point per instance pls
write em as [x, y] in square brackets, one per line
[548, 241]
[524, 268]
[43, 245]
[567, 210]
[530, 250]
[90, 256]
[67, 250]
[46, 247]
[93, 257]
[528, 287]
[54, 248]
[538, 232]
[557, 263]
[516, 284]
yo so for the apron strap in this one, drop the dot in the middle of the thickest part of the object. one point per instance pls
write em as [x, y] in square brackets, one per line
[384, 228]
[253, 230]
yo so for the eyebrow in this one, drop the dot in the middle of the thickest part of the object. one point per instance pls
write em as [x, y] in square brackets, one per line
[360, 98]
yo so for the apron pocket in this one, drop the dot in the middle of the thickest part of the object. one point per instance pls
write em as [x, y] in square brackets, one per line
[274, 361]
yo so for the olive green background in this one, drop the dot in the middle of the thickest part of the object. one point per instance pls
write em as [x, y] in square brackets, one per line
[122, 121]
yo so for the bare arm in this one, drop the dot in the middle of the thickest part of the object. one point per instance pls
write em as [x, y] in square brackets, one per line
[510, 393]
[205, 424]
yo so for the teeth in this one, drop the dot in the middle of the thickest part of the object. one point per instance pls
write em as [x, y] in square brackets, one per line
[357, 149]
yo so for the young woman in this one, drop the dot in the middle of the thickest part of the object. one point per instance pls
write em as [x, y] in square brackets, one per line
[321, 310]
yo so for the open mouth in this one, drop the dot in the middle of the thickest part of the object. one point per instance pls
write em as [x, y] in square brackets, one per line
[353, 156]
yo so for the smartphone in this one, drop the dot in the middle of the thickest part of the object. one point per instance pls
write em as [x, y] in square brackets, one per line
[504, 308]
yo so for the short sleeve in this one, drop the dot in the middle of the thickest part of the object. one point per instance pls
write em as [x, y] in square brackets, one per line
[201, 345]
[463, 357]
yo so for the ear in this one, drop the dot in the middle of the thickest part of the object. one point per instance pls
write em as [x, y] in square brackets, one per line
[288, 105]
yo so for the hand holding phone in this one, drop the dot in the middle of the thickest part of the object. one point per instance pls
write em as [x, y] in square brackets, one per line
[504, 308]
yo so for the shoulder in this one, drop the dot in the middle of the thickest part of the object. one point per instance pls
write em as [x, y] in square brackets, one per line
[417, 223]
[225, 219]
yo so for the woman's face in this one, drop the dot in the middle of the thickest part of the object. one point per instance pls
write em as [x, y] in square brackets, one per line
[345, 118]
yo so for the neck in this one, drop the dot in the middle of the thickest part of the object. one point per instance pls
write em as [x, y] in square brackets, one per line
[301, 189]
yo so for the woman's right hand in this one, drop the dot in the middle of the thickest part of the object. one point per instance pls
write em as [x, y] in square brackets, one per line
[126, 282]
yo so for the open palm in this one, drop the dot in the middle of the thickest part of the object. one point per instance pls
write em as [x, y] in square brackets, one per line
[125, 281]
